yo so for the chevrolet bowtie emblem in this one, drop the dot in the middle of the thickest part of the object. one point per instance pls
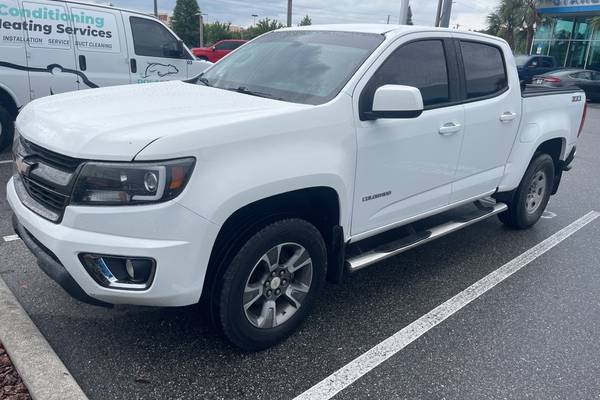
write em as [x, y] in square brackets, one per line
[23, 166]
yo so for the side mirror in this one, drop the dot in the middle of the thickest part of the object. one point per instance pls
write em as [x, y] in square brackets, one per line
[396, 101]
[214, 48]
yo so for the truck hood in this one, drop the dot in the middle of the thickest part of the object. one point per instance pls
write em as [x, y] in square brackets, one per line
[116, 123]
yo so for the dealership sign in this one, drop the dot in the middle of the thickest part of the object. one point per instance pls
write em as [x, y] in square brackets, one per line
[567, 6]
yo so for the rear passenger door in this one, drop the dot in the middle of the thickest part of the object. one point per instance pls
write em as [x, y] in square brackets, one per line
[405, 167]
[100, 52]
[154, 51]
[492, 116]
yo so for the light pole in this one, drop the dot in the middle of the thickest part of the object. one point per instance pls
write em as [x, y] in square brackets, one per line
[156, 8]
[254, 16]
[201, 20]
[438, 15]
[403, 20]
[445, 18]
[289, 14]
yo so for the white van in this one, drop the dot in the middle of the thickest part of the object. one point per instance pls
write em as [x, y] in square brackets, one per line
[52, 46]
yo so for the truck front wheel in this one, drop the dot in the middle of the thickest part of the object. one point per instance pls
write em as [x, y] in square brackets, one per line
[528, 203]
[271, 284]
[6, 128]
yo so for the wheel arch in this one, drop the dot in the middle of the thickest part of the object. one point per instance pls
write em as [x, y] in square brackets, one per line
[320, 205]
[7, 99]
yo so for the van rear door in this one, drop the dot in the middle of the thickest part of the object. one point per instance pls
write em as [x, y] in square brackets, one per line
[154, 51]
[13, 63]
[100, 47]
[50, 48]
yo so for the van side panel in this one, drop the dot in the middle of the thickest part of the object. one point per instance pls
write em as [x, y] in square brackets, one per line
[50, 48]
[100, 48]
[13, 63]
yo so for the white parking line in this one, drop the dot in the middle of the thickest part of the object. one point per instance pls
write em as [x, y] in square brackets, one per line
[10, 238]
[6, 162]
[363, 364]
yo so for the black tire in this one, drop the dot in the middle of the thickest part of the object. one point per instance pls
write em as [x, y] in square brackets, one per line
[519, 215]
[232, 316]
[7, 126]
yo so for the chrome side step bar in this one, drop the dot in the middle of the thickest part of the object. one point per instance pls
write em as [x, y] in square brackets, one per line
[381, 253]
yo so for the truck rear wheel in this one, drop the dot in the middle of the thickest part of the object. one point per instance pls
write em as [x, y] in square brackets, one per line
[6, 128]
[271, 284]
[527, 205]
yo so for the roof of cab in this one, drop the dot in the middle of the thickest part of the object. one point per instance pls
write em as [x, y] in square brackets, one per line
[382, 29]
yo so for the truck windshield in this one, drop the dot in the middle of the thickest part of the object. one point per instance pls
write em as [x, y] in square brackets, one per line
[308, 67]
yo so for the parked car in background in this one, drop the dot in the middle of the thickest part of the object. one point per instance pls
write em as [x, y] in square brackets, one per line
[90, 46]
[529, 66]
[218, 50]
[587, 80]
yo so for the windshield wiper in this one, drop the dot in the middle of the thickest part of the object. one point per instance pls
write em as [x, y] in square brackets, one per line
[245, 90]
[200, 78]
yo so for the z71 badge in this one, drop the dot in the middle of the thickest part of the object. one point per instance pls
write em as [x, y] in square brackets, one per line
[577, 98]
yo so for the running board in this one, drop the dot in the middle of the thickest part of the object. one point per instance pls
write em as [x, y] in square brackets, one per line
[400, 246]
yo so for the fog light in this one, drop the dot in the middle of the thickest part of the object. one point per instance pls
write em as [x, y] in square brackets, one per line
[117, 272]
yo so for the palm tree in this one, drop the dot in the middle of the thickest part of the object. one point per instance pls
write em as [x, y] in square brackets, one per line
[514, 21]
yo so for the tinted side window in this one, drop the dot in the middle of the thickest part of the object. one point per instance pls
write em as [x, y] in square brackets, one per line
[227, 46]
[419, 64]
[547, 63]
[485, 74]
[151, 39]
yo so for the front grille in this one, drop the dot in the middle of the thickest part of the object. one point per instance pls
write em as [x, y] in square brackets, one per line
[46, 196]
[49, 181]
[54, 159]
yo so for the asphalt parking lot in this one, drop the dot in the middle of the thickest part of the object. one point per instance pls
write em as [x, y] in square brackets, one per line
[534, 336]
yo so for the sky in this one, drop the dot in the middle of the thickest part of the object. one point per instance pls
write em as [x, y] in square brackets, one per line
[468, 14]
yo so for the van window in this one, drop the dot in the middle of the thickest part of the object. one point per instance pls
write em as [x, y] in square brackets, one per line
[485, 73]
[151, 39]
[419, 64]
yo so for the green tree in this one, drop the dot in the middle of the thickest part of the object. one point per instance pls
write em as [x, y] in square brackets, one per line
[409, 17]
[216, 31]
[307, 20]
[186, 23]
[262, 26]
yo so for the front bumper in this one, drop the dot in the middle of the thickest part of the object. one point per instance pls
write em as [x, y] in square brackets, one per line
[179, 240]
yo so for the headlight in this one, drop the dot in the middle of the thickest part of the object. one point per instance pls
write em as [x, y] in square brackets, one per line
[101, 183]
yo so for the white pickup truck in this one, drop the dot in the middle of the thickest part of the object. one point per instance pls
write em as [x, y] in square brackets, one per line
[304, 155]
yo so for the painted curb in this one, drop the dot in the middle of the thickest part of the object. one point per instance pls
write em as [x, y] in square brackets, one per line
[44, 374]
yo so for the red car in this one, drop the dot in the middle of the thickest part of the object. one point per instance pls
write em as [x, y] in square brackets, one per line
[218, 50]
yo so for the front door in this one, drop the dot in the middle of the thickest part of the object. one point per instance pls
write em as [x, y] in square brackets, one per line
[492, 116]
[50, 49]
[100, 48]
[405, 167]
[154, 51]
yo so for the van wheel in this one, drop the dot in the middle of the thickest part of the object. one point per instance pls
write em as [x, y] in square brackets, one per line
[531, 198]
[271, 284]
[6, 128]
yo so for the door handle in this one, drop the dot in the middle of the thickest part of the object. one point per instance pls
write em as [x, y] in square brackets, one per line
[133, 65]
[82, 63]
[508, 116]
[450, 128]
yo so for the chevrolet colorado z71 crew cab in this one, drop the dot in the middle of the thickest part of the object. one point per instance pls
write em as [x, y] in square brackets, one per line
[306, 154]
